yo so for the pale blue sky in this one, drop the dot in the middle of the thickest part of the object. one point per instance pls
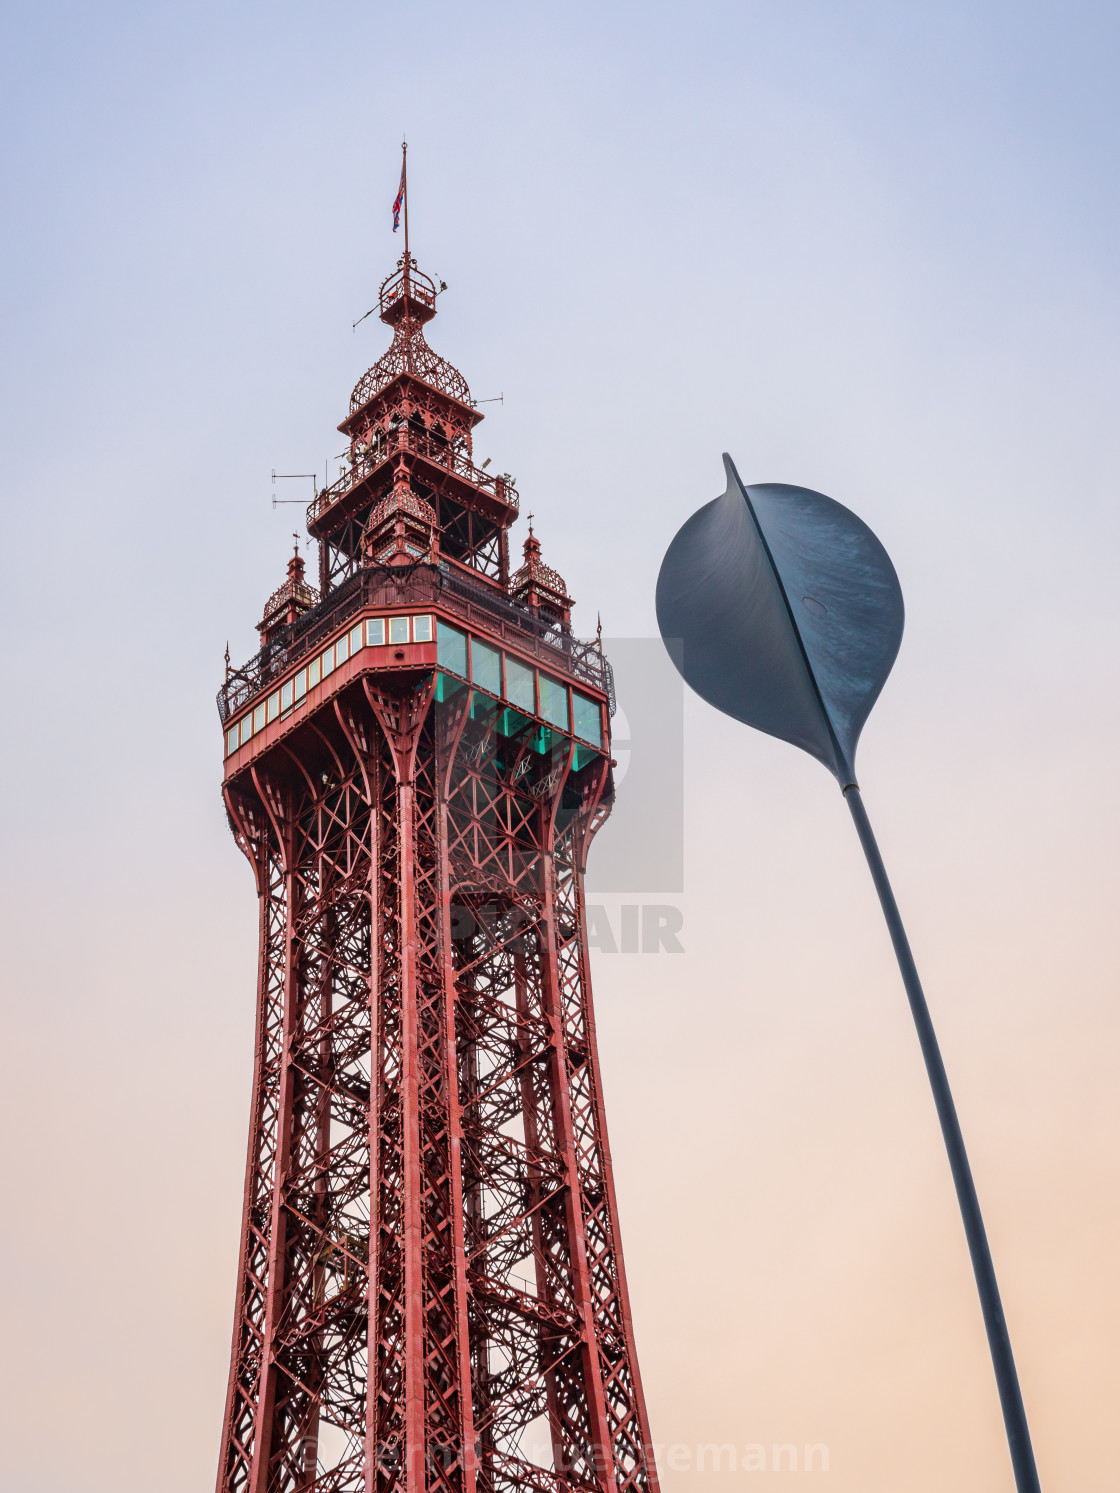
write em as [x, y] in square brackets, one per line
[870, 248]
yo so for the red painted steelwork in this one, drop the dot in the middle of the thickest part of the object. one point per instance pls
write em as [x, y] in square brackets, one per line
[430, 1274]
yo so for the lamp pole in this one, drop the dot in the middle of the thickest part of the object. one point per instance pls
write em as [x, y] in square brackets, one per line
[999, 1340]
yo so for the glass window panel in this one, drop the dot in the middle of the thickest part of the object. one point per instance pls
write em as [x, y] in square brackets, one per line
[554, 701]
[519, 686]
[540, 740]
[233, 739]
[274, 705]
[582, 755]
[246, 728]
[398, 629]
[452, 651]
[286, 696]
[588, 721]
[326, 662]
[486, 667]
[421, 629]
[342, 650]
[509, 722]
[301, 684]
[258, 718]
[375, 631]
[355, 639]
[313, 673]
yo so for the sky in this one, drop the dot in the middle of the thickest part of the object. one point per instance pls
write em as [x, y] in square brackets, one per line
[869, 248]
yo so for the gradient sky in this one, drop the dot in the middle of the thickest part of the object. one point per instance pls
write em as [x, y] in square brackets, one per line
[870, 248]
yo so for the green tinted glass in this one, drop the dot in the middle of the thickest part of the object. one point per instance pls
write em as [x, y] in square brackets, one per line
[519, 686]
[554, 702]
[587, 721]
[582, 755]
[452, 649]
[486, 667]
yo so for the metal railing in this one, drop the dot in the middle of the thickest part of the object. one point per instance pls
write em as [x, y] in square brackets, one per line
[416, 284]
[581, 660]
[517, 625]
[405, 438]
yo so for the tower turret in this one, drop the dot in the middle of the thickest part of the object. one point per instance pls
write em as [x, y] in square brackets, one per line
[538, 586]
[288, 602]
[402, 529]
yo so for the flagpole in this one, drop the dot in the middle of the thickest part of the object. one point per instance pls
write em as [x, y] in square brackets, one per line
[404, 183]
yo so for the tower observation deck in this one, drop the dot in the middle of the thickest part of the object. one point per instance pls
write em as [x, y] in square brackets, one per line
[430, 1294]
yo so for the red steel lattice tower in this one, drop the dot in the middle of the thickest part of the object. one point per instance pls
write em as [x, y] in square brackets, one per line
[431, 1295]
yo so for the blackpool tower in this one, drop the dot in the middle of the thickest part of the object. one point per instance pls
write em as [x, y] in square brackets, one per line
[430, 1291]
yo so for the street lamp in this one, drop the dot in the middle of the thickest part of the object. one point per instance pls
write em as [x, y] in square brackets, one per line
[783, 610]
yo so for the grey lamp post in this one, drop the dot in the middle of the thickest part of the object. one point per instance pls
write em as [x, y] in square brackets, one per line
[788, 615]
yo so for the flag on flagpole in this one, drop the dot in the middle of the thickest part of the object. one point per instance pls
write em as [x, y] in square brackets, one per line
[398, 201]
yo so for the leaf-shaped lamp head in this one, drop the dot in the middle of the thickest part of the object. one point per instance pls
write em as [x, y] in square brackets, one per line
[782, 609]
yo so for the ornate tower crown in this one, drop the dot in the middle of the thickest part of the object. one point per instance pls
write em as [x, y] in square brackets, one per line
[407, 299]
[410, 428]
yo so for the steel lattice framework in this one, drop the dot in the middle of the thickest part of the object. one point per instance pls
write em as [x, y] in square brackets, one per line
[430, 1266]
